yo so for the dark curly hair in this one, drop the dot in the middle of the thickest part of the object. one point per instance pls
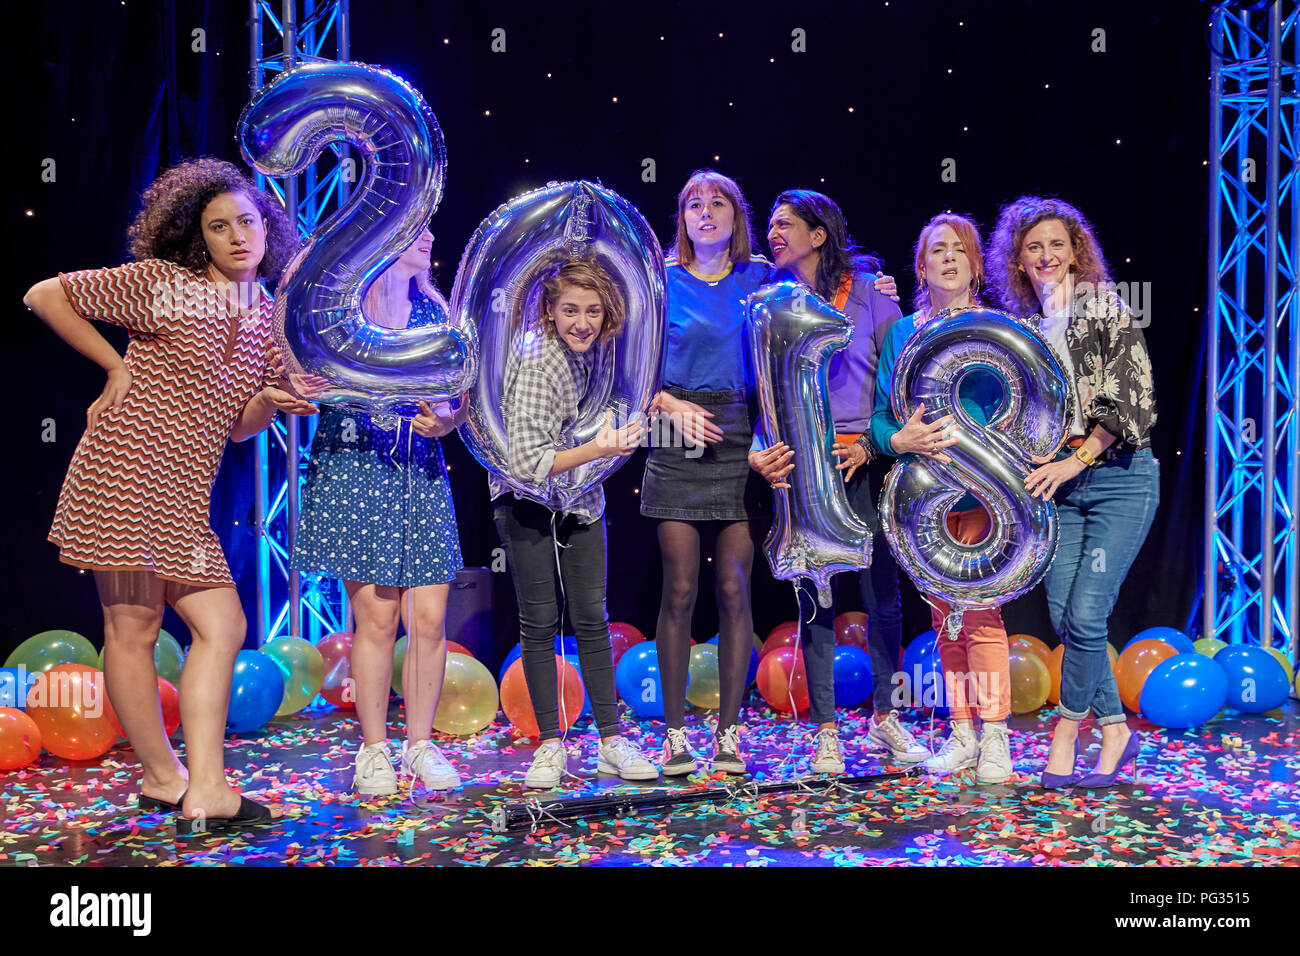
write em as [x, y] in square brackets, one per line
[169, 225]
[1012, 286]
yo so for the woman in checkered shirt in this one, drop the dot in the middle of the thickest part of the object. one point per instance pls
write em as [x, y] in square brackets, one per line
[545, 382]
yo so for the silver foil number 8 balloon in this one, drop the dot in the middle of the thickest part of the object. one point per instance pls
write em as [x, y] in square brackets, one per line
[990, 461]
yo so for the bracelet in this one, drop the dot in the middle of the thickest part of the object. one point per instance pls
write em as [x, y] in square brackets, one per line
[1085, 456]
[867, 447]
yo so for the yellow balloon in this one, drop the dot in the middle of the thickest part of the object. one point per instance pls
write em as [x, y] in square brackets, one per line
[469, 697]
[303, 669]
[1286, 664]
[1030, 681]
[702, 687]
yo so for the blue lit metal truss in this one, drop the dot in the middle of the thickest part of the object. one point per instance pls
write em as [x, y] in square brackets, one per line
[1252, 479]
[302, 605]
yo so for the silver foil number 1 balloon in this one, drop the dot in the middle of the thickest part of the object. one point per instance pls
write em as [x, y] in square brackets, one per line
[990, 461]
[793, 333]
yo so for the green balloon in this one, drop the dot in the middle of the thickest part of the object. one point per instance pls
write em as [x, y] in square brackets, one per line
[702, 687]
[50, 649]
[303, 669]
[1209, 646]
[168, 658]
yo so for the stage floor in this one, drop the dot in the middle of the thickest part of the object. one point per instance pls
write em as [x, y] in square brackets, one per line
[1202, 799]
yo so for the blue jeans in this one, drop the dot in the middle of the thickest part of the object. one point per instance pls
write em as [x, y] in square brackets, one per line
[1105, 514]
[878, 587]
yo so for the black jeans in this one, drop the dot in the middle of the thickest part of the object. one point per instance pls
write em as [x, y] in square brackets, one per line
[878, 587]
[525, 528]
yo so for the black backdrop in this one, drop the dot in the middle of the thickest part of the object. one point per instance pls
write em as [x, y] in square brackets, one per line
[1018, 94]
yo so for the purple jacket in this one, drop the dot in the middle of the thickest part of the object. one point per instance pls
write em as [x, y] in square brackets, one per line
[851, 375]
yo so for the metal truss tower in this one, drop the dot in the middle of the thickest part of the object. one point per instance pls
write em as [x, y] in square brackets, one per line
[1252, 478]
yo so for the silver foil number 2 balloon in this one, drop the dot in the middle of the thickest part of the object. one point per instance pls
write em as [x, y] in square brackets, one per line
[318, 321]
[792, 334]
[990, 461]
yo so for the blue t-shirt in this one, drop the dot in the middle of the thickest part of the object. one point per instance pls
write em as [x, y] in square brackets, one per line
[706, 345]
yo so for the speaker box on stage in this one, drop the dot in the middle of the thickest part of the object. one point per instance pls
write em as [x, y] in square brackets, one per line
[481, 614]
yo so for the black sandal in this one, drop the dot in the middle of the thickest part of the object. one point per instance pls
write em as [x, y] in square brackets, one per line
[250, 815]
[153, 804]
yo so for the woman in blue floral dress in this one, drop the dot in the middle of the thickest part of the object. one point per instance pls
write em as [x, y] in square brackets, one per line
[376, 512]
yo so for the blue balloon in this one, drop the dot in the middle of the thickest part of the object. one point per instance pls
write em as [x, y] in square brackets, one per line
[924, 673]
[638, 680]
[1256, 681]
[853, 682]
[586, 697]
[255, 692]
[752, 675]
[15, 682]
[1170, 635]
[1185, 690]
[570, 647]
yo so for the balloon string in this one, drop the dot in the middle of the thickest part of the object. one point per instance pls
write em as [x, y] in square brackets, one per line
[798, 644]
[938, 635]
[559, 626]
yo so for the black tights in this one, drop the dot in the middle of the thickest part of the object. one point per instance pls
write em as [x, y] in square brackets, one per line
[679, 543]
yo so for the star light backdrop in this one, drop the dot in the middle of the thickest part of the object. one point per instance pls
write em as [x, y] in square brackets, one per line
[896, 110]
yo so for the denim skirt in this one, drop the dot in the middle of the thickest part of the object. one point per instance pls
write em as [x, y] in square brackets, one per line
[711, 482]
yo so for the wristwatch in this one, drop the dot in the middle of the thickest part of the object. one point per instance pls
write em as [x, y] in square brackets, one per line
[1085, 456]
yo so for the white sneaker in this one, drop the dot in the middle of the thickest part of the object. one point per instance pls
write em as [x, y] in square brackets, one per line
[995, 754]
[619, 755]
[549, 766]
[373, 773]
[426, 761]
[958, 752]
[890, 734]
[827, 757]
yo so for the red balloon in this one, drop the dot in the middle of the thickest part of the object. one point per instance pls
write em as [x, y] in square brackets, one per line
[518, 706]
[781, 675]
[20, 739]
[783, 635]
[621, 637]
[70, 706]
[338, 687]
[851, 629]
[169, 698]
[454, 648]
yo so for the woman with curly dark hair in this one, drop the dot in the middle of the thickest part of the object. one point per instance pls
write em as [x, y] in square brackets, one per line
[134, 506]
[1045, 258]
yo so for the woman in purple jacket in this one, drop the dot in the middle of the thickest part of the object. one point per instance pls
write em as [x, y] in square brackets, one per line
[809, 239]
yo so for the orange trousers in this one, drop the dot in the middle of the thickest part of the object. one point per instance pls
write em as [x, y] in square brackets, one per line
[976, 667]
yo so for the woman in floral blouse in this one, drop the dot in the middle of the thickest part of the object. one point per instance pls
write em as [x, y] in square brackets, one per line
[1045, 258]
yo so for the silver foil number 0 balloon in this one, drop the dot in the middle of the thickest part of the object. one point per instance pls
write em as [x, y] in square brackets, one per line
[318, 321]
[990, 461]
[498, 290]
[792, 334]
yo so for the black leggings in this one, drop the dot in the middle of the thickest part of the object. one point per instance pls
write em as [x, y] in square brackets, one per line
[525, 530]
[679, 543]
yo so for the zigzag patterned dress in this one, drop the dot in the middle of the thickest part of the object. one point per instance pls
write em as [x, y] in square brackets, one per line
[137, 493]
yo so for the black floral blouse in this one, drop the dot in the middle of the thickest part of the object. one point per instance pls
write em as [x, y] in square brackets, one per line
[1112, 372]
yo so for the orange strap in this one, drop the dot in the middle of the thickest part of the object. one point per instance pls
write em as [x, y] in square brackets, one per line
[842, 294]
[847, 439]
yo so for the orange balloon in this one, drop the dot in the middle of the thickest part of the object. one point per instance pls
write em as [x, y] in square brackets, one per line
[70, 706]
[1054, 657]
[621, 637]
[1136, 664]
[783, 635]
[1027, 643]
[518, 705]
[851, 628]
[338, 687]
[781, 676]
[20, 739]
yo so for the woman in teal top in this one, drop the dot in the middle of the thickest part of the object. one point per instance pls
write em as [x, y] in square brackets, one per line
[949, 264]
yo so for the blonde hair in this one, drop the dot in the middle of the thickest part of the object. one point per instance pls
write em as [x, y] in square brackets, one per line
[585, 274]
[968, 234]
[741, 245]
[388, 295]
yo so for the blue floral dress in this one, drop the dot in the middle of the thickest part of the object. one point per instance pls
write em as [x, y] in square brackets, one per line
[377, 506]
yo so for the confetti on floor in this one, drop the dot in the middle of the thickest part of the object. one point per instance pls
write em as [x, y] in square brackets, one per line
[1224, 794]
